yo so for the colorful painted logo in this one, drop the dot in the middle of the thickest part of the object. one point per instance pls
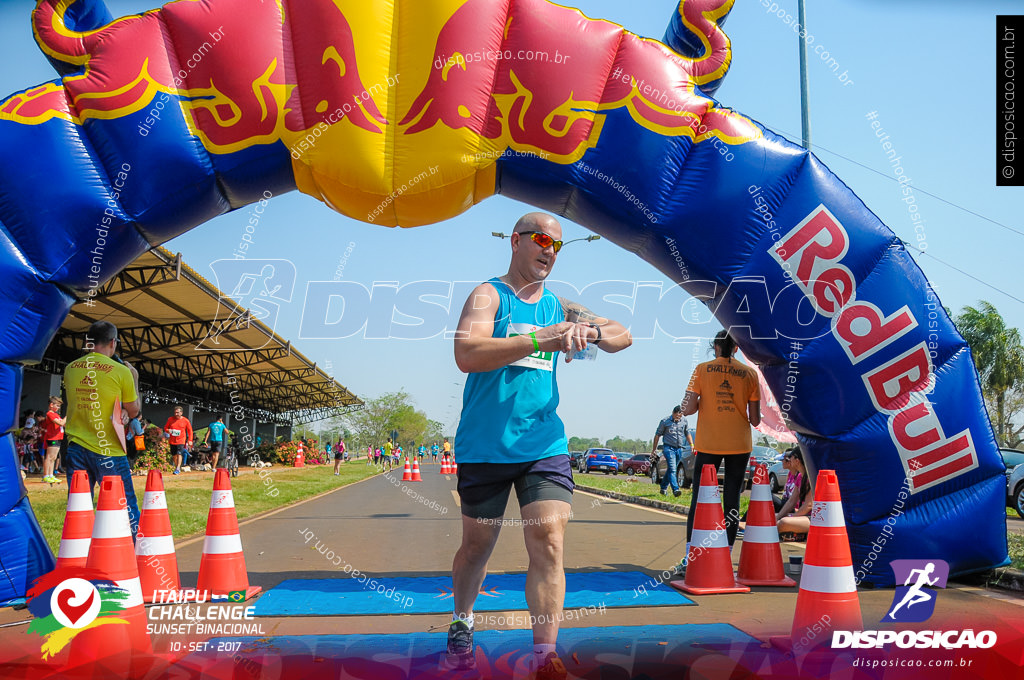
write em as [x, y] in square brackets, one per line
[69, 601]
[914, 601]
[477, 79]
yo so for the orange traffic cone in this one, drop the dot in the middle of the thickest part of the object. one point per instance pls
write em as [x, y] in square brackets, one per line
[300, 457]
[111, 552]
[77, 533]
[444, 465]
[222, 571]
[454, 466]
[828, 591]
[154, 546]
[709, 562]
[407, 474]
[761, 554]
[416, 471]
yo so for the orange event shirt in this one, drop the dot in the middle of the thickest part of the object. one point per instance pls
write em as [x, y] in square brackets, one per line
[179, 429]
[724, 386]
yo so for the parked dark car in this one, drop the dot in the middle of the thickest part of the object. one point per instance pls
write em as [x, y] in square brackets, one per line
[638, 464]
[684, 471]
[601, 460]
[574, 459]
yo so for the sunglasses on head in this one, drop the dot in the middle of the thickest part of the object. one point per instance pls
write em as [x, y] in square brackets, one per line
[543, 240]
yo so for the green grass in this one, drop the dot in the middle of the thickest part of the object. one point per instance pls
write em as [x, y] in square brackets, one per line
[1016, 546]
[188, 494]
[641, 489]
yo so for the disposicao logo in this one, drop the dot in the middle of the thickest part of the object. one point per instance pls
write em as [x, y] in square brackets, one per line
[68, 601]
[914, 602]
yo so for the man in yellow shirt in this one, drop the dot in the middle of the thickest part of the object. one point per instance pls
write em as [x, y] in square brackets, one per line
[95, 384]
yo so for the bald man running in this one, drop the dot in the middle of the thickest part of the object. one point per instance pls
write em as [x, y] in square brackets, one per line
[509, 337]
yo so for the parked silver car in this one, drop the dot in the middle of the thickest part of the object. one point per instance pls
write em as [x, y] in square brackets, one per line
[1014, 461]
[777, 475]
[1015, 490]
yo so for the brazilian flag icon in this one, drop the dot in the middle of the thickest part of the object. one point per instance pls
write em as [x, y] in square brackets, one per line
[236, 596]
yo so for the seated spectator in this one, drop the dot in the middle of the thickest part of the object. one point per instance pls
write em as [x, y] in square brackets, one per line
[793, 480]
[794, 520]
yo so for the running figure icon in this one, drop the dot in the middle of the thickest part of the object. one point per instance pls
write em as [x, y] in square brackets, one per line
[917, 594]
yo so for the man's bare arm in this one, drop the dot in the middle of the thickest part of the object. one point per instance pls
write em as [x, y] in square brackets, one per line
[476, 351]
[691, 402]
[613, 335]
[132, 408]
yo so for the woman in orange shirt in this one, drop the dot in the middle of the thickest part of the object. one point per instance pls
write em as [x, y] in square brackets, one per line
[725, 396]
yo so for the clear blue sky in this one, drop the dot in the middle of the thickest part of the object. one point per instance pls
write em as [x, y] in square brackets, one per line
[926, 68]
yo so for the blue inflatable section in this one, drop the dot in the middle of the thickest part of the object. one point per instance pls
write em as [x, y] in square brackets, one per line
[860, 353]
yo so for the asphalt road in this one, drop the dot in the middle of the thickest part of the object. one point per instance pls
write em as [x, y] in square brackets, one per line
[385, 528]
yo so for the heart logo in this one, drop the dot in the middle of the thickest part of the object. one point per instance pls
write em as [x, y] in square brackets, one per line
[74, 613]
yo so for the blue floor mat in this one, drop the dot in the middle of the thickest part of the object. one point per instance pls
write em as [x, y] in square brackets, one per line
[640, 651]
[346, 596]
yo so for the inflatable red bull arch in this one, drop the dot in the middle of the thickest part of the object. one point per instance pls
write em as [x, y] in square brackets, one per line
[408, 112]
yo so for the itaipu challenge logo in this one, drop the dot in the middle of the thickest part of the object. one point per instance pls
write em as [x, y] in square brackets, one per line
[69, 601]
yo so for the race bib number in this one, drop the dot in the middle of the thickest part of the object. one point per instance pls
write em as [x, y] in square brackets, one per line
[174, 433]
[544, 361]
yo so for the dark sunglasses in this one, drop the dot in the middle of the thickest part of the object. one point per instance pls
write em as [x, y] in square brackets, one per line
[542, 239]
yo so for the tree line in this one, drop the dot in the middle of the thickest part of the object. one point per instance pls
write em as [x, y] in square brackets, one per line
[999, 358]
[997, 350]
[379, 419]
[616, 443]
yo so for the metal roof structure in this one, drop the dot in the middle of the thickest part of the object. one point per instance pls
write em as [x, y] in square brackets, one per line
[190, 342]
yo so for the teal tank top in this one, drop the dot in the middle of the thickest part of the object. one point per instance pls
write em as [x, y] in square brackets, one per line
[509, 414]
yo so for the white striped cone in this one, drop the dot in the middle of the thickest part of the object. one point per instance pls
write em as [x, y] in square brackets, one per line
[445, 470]
[828, 590]
[111, 552]
[154, 546]
[78, 522]
[222, 568]
[761, 554]
[709, 563]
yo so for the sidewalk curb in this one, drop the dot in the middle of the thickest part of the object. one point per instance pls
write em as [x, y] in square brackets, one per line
[636, 500]
[1007, 578]
[1004, 578]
